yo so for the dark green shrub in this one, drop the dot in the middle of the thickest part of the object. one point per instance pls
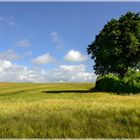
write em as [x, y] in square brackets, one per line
[108, 83]
[132, 81]
[112, 83]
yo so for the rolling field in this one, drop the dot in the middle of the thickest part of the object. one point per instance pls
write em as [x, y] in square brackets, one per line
[66, 110]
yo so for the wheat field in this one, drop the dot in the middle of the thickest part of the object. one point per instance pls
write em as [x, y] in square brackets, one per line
[66, 110]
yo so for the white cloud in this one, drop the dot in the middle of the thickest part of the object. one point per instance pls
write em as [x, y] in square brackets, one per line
[23, 43]
[55, 36]
[9, 55]
[70, 73]
[13, 73]
[43, 59]
[57, 40]
[75, 56]
[64, 73]
[9, 20]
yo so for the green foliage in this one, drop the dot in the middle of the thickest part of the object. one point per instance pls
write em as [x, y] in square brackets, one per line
[117, 46]
[108, 83]
[132, 81]
[112, 83]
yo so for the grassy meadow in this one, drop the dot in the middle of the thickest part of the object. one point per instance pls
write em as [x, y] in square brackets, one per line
[66, 110]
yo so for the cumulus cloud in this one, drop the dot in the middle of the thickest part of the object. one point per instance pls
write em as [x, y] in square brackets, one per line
[64, 73]
[23, 43]
[14, 73]
[70, 73]
[43, 59]
[75, 56]
[9, 55]
[57, 40]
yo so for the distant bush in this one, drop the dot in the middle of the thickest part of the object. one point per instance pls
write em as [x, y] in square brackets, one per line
[112, 83]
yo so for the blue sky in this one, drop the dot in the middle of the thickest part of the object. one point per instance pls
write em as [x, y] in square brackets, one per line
[44, 40]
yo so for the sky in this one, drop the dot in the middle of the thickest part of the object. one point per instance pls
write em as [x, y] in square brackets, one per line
[47, 41]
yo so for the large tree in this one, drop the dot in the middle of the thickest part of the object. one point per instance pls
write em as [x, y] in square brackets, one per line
[117, 47]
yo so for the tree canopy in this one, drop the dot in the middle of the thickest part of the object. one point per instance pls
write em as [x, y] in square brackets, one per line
[117, 47]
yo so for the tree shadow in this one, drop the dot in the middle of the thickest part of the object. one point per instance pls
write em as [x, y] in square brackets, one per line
[69, 91]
